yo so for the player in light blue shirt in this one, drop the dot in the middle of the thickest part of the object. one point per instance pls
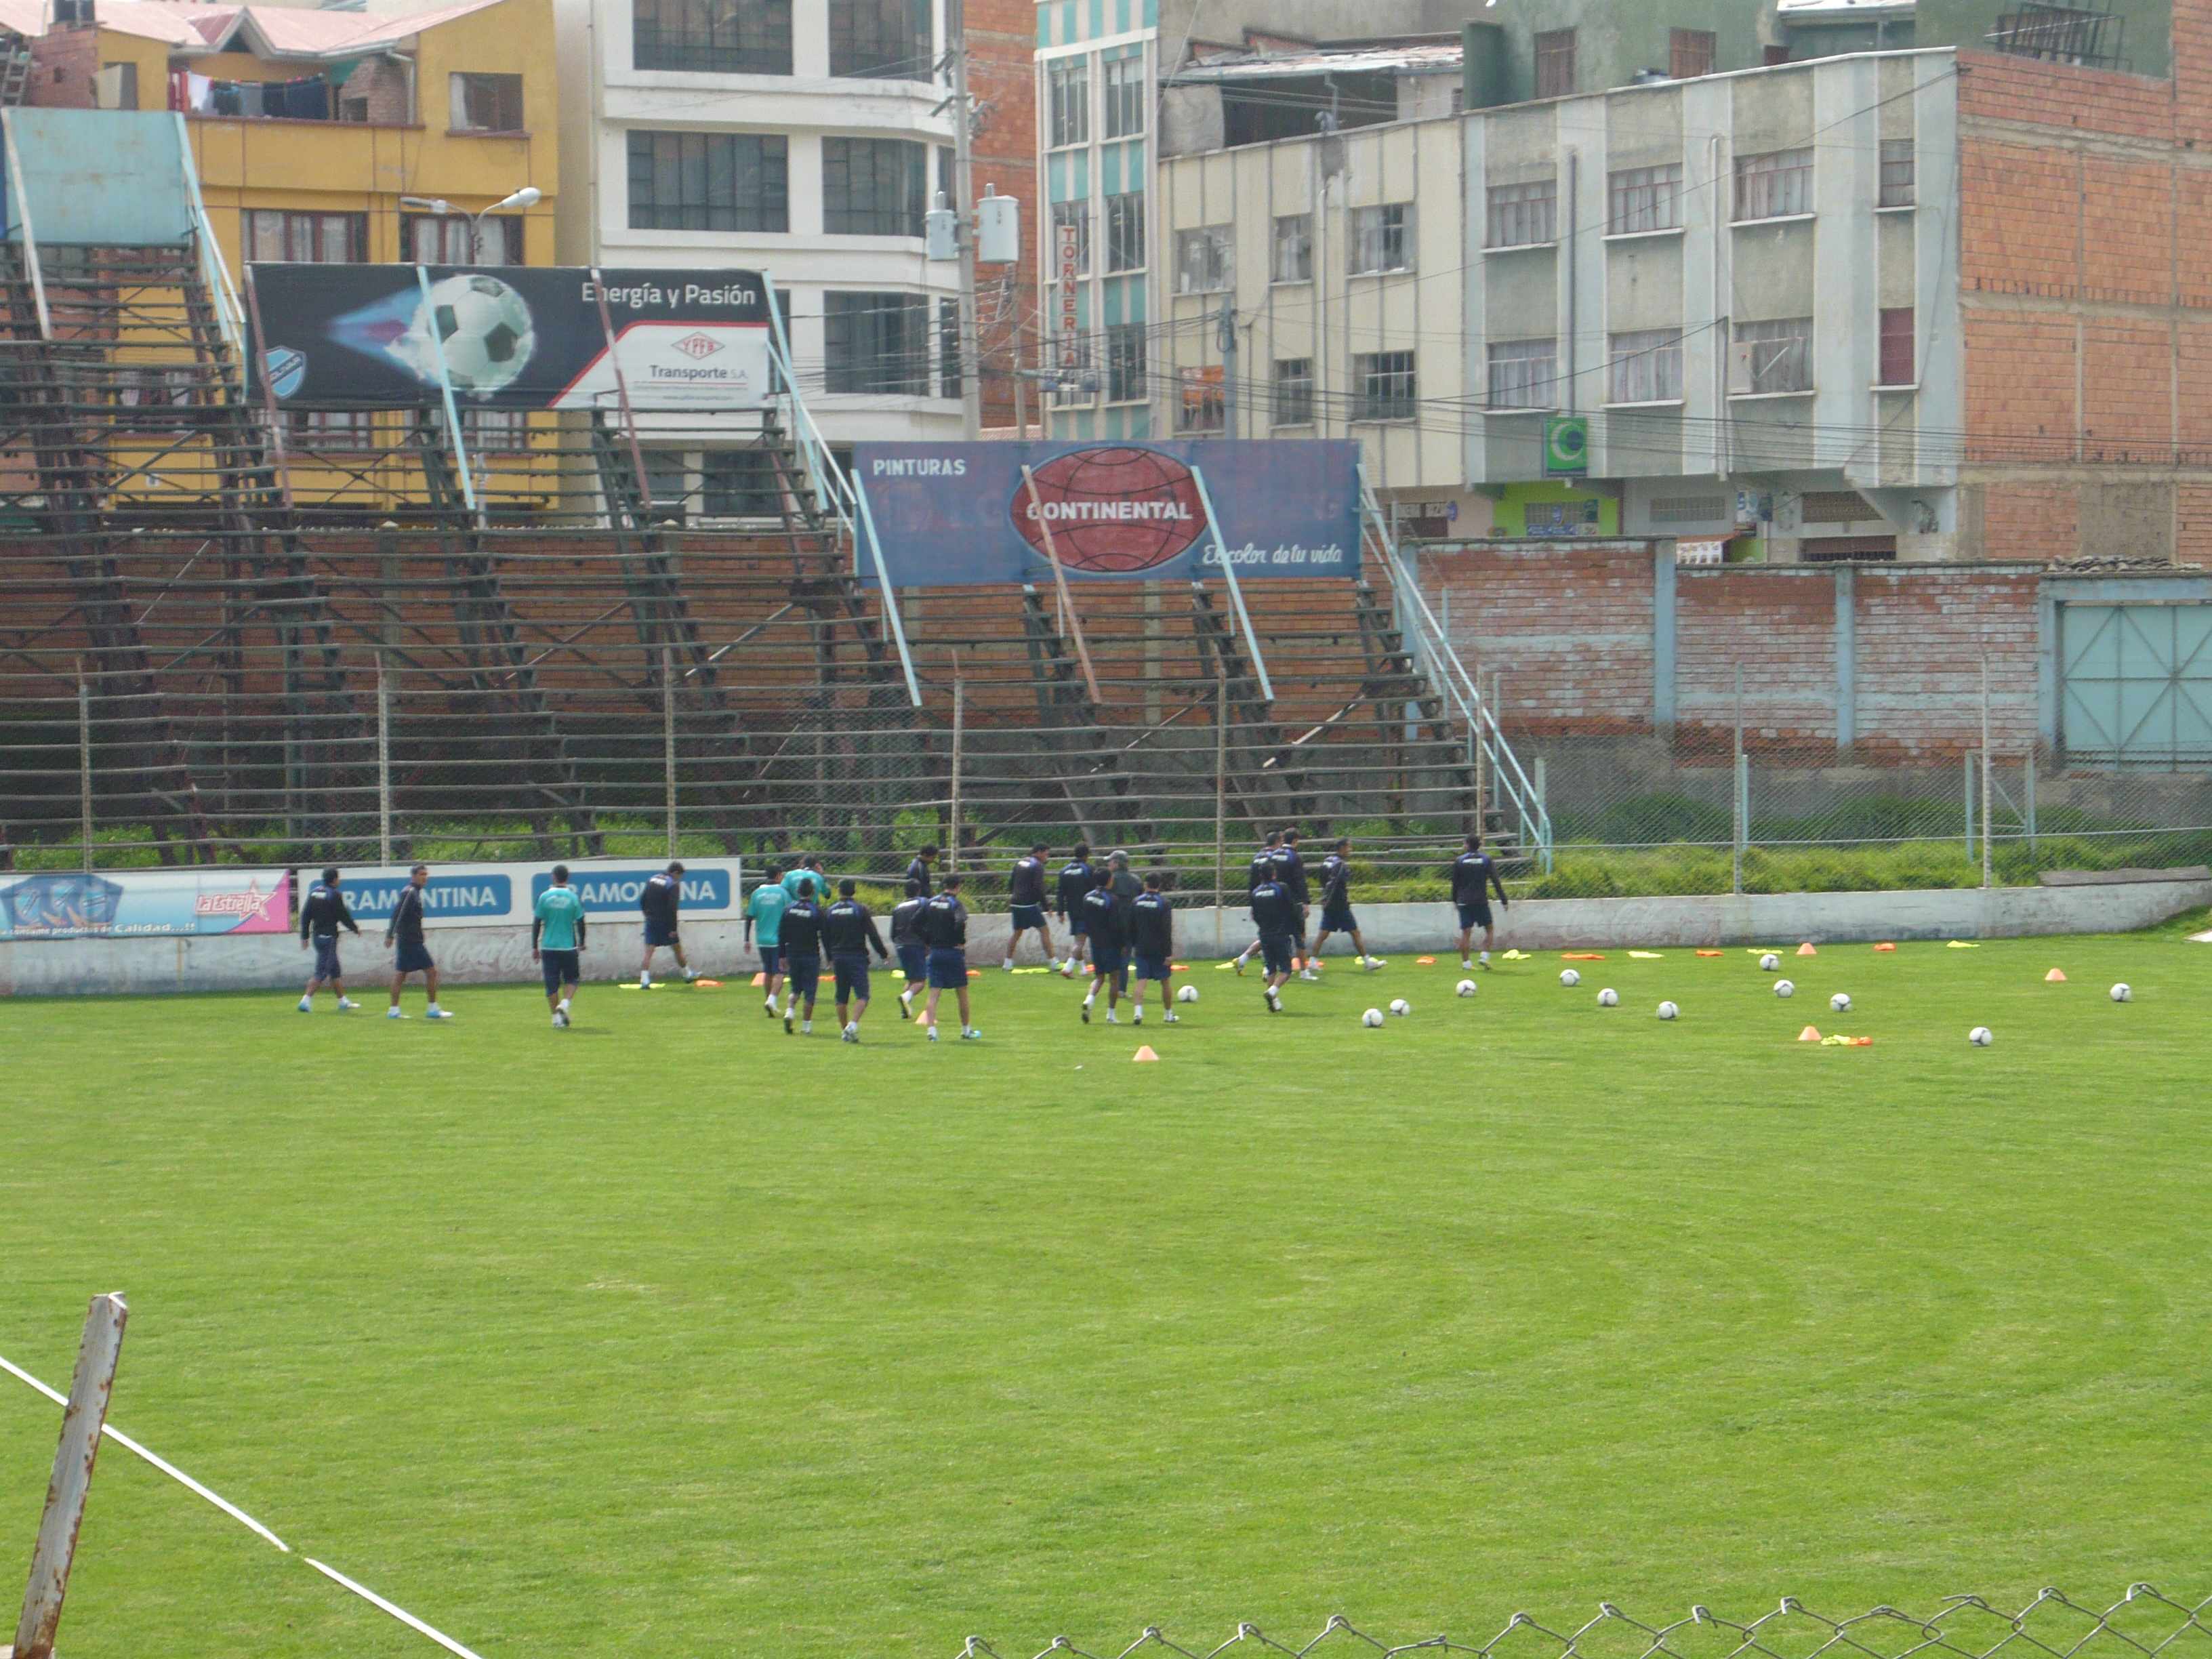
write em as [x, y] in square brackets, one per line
[557, 941]
[765, 908]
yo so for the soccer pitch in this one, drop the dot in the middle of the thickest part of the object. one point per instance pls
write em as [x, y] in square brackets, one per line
[672, 1335]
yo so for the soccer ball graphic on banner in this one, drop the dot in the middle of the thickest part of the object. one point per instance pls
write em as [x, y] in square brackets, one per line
[1112, 509]
[485, 328]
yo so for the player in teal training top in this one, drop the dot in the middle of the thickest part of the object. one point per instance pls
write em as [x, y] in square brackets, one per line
[557, 941]
[765, 909]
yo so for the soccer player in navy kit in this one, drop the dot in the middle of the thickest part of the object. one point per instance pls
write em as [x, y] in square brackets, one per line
[1277, 919]
[913, 954]
[1336, 915]
[848, 932]
[802, 956]
[1077, 877]
[1261, 868]
[320, 918]
[1025, 901]
[1151, 936]
[1290, 871]
[1101, 923]
[1473, 873]
[403, 931]
[942, 926]
[919, 870]
[661, 899]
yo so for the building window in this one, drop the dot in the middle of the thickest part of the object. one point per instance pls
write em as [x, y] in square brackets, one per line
[332, 431]
[1898, 364]
[486, 103]
[1293, 249]
[1382, 239]
[737, 483]
[1124, 232]
[1646, 367]
[1203, 408]
[708, 181]
[1689, 54]
[1897, 173]
[1555, 63]
[306, 239]
[873, 187]
[1776, 356]
[1122, 85]
[1125, 363]
[948, 349]
[1292, 403]
[1383, 382]
[495, 431]
[1524, 216]
[1067, 89]
[1645, 198]
[1206, 260]
[876, 344]
[722, 37]
[433, 239]
[1775, 186]
[887, 39]
[1077, 213]
[1073, 382]
[1524, 374]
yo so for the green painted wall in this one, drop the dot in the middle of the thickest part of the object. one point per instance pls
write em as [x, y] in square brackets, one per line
[1560, 509]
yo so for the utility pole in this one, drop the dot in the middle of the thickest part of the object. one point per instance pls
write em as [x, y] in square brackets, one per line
[1224, 336]
[970, 355]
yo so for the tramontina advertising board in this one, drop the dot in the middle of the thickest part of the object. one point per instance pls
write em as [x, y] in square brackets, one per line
[951, 514]
[512, 337]
[486, 895]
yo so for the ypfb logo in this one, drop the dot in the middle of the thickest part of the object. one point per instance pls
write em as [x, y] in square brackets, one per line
[696, 346]
[1111, 510]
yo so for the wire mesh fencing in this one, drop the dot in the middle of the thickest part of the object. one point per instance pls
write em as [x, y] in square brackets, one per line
[2143, 1624]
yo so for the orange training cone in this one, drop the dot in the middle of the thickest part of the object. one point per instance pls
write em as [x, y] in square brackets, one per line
[1885, 947]
[1807, 949]
[1808, 1035]
[759, 980]
[2056, 976]
[1145, 1053]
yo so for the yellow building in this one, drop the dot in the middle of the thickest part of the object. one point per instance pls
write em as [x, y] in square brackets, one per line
[322, 136]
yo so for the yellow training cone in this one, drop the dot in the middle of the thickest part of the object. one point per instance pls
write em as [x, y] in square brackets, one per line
[1807, 949]
[1808, 1035]
[2056, 976]
[1145, 1053]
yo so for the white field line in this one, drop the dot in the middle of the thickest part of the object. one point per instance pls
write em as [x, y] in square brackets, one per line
[239, 1514]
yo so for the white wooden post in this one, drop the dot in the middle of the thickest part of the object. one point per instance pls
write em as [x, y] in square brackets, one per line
[81, 1422]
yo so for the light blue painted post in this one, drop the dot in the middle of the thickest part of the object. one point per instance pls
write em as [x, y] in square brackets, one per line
[446, 391]
[1662, 641]
[1847, 661]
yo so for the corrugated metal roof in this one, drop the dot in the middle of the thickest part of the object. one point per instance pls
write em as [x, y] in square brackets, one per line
[1373, 60]
[288, 31]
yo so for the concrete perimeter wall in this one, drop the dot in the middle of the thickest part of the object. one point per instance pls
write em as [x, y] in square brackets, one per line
[491, 955]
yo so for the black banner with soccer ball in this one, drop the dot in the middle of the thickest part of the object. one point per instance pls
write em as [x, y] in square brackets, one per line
[508, 336]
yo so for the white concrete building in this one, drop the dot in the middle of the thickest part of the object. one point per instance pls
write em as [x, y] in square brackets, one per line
[802, 138]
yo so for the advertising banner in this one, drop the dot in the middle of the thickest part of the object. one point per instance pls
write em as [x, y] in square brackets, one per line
[193, 900]
[476, 895]
[512, 337]
[952, 513]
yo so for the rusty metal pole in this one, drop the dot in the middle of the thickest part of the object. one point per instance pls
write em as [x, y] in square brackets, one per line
[668, 738]
[959, 730]
[84, 760]
[82, 1423]
[1220, 794]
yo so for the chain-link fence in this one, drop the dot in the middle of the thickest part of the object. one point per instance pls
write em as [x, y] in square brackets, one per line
[2143, 1624]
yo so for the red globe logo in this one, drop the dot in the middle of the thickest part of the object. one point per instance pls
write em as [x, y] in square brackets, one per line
[1114, 510]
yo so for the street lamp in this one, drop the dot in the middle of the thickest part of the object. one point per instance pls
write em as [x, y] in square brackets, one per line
[528, 197]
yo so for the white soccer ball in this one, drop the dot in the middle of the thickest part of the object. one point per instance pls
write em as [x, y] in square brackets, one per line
[1840, 1002]
[1465, 987]
[1570, 977]
[1372, 1016]
[1188, 994]
[484, 327]
[1669, 1010]
[1608, 997]
[1981, 1036]
[2121, 994]
[1769, 963]
[1401, 1007]
[1783, 987]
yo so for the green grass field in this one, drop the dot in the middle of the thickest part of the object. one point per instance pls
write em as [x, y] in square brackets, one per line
[672, 1336]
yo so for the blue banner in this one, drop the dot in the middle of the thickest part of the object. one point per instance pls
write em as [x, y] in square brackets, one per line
[476, 895]
[951, 514]
[602, 890]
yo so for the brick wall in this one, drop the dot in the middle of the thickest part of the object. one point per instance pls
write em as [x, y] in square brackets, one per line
[1001, 42]
[1571, 629]
[65, 63]
[1570, 632]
